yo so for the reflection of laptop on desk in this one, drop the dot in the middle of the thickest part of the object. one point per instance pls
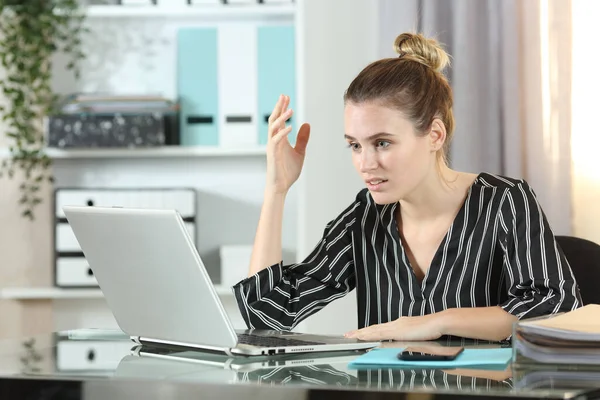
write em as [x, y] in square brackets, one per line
[246, 364]
[159, 291]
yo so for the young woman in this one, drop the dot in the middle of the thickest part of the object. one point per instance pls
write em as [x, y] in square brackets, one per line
[431, 251]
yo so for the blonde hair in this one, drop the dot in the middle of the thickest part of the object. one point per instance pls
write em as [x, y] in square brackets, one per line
[413, 83]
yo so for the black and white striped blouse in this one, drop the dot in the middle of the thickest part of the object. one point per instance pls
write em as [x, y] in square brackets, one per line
[499, 251]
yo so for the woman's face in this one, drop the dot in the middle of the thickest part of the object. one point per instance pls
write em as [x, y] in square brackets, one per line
[386, 151]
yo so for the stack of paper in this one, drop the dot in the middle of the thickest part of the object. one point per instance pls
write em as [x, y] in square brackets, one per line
[569, 338]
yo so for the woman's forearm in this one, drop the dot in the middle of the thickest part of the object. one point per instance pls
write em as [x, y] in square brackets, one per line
[267, 242]
[487, 323]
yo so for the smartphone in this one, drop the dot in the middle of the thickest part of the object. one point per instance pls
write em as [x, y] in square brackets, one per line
[430, 353]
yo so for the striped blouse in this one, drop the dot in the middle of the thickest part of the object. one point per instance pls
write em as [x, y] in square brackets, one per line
[499, 251]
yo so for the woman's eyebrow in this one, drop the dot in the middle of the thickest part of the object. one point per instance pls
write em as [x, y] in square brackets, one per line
[378, 134]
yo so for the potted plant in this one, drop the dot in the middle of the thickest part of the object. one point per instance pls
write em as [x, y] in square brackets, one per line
[31, 31]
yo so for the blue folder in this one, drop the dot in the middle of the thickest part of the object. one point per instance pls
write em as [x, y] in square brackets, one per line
[481, 358]
[276, 74]
[197, 87]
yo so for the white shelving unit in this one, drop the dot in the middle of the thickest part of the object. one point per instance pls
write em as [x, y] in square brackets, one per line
[218, 11]
[150, 152]
[158, 152]
[132, 49]
[41, 293]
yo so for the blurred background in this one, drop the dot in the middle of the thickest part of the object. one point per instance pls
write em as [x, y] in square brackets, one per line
[167, 107]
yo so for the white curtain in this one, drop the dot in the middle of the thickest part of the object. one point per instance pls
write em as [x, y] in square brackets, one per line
[510, 74]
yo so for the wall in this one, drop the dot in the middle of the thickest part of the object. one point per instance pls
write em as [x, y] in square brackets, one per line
[585, 138]
[25, 252]
[337, 43]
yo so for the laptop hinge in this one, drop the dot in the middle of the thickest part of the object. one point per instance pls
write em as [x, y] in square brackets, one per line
[159, 342]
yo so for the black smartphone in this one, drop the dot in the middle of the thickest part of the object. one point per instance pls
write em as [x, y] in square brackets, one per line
[430, 354]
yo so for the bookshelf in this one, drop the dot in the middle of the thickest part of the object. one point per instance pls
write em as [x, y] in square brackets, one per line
[50, 293]
[217, 11]
[150, 152]
[133, 49]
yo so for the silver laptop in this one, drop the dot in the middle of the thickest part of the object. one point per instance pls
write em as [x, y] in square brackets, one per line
[159, 291]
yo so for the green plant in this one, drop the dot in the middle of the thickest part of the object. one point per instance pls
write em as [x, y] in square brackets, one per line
[31, 359]
[31, 31]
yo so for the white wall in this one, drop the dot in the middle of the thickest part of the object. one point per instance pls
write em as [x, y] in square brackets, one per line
[585, 139]
[337, 39]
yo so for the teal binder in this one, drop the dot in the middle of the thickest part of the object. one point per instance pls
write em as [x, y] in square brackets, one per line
[276, 73]
[197, 86]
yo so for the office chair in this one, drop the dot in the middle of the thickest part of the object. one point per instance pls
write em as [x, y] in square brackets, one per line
[584, 257]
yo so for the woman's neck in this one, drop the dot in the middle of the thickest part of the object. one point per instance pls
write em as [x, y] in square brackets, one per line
[439, 194]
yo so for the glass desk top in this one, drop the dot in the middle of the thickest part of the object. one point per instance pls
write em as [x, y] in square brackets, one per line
[88, 355]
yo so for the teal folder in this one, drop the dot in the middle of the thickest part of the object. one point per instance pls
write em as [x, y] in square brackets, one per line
[276, 74]
[197, 87]
[388, 357]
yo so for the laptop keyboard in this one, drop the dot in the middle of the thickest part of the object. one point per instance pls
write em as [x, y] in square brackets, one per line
[272, 341]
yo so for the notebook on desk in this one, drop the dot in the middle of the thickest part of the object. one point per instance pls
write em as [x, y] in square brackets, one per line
[582, 324]
[569, 338]
[160, 293]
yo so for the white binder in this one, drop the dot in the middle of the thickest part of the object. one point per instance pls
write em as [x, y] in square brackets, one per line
[237, 82]
[71, 268]
[90, 355]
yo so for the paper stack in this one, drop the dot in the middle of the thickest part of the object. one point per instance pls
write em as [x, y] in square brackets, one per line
[570, 338]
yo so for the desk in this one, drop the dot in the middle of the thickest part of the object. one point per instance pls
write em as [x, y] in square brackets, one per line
[95, 367]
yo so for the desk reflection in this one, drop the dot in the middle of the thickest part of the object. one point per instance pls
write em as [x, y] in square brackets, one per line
[321, 369]
[62, 356]
[383, 379]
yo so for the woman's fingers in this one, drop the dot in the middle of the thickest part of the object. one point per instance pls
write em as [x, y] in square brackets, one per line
[279, 123]
[286, 103]
[281, 134]
[280, 108]
[277, 109]
[302, 138]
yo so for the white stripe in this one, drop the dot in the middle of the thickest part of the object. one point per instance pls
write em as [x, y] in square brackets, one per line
[365, 263]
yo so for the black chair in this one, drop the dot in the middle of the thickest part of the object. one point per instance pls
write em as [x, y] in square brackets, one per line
[584, 258]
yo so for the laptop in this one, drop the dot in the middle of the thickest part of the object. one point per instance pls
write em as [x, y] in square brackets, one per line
[160, 293]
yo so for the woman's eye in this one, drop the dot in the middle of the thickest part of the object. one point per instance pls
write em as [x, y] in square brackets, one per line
[383, 143]
[354, 146]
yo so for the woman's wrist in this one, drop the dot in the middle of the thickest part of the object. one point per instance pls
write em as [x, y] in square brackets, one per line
[443, 321]
[272, 193]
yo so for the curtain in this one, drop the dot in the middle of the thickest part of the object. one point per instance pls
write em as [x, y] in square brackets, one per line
[510, 72]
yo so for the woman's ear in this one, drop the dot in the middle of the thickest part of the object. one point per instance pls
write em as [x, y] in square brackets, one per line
[437, 135]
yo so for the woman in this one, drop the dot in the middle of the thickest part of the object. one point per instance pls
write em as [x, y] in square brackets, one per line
[431, 251]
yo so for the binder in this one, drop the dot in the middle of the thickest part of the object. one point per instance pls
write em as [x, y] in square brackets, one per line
[71, 269]
[276, 73]
[97, 355]
[237, 85]
[197, 86]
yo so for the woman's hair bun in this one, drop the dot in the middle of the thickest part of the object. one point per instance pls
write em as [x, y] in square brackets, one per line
[427, 51]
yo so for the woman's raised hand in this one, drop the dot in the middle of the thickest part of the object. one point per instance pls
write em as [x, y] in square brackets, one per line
[284, 162]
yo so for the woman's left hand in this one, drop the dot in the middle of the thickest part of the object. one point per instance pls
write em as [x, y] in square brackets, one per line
[427, 327]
